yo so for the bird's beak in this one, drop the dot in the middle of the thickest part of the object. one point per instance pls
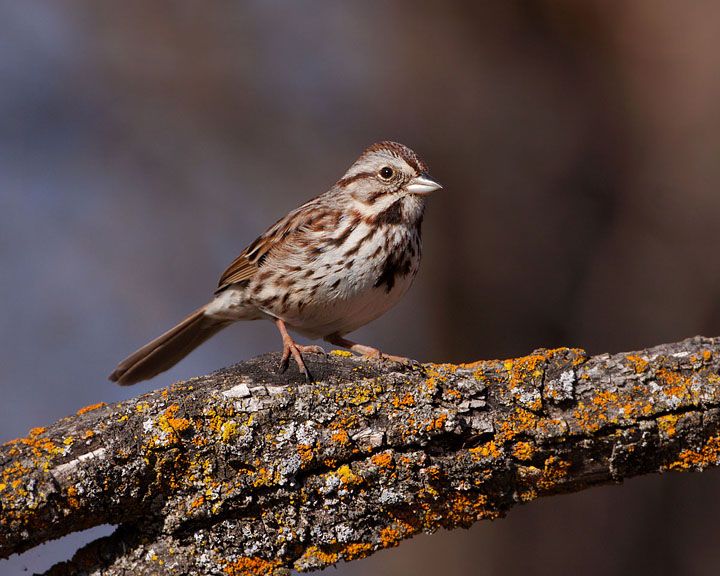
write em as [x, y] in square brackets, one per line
[422, 185]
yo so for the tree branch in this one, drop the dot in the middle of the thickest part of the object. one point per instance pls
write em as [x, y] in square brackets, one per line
[247, 471]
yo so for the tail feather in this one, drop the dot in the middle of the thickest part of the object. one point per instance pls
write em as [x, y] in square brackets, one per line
[167, 350]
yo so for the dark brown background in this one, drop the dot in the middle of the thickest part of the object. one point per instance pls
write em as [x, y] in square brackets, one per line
[143, 145]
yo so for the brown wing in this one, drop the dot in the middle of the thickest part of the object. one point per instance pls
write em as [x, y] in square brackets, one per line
[240, 269]
[246, 265]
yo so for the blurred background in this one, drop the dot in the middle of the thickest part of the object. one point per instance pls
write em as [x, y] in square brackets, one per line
[143, 145]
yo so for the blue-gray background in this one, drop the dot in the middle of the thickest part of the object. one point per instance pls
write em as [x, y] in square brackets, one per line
[144, 144]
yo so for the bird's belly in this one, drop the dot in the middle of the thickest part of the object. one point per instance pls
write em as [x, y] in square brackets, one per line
[339, 300]
[342, 311]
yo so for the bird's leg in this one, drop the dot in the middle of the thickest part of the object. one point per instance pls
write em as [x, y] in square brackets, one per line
[368, 351]
[289, 347]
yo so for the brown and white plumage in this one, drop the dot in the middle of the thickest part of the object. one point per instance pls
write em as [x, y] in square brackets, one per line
[327, 268]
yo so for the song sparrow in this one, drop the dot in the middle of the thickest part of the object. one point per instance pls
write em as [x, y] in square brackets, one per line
[329, 267]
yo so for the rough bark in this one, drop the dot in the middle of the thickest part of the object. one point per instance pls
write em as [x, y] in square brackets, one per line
[247, 471]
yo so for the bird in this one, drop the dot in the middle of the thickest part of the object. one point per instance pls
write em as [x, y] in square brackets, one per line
[330, 266]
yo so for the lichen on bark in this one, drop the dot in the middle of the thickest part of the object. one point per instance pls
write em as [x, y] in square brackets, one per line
[247, 471]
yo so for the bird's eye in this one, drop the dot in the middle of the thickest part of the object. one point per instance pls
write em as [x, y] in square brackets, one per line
[386, 172]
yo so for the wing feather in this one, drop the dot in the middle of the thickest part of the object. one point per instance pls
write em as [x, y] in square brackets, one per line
[250, 260]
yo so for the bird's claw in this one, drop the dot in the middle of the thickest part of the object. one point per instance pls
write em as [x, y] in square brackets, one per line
[297, 350]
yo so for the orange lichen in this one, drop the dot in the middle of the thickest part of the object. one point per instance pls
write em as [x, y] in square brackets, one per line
[674, 384]
[13, 475]
[91, 408]
[431, 384]
[383, 460]
[518, 422]
[591, 417]
[171, 424]
[265, 477]
[485, 451]
[314, 556]
[340, 436]
[345, 419]
[344, 353]
[532, 367]
[389, 537]
[478, 368]
[459, 510]
[521, 369]
[361, 393]
[547, 425]
[708, 455]
[347, 476]
[356, 550]
[638, 364]
[667, 425]
[41, 448]
[452, 393]
[437, 423]
[407, 400]
[434, 474]
[553, 473]
[523, 450]
[306, 453]
[72, 499]
[251, 566]
[229, 430]
[407, 460]
[216, 417]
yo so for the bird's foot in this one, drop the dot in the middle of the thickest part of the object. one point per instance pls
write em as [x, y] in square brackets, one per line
[368, 351]
[296, 350]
